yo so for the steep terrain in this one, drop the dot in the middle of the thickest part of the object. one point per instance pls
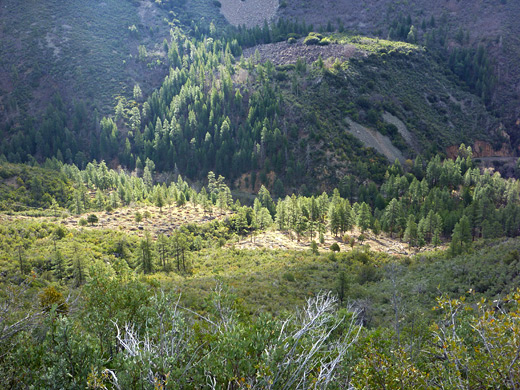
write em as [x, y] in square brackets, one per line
[290, 120]
[128, 262]
[86, 52]
[494, 24]
[249, 13]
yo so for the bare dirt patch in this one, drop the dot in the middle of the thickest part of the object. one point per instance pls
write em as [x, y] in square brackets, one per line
[248, 12]
[276, 240]
[373, 139]
[403, 130]
[123, 219]
[159, 222]
[285, 53]
[169, 219]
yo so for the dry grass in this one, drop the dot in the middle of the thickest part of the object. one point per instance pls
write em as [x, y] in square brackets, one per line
[274, 240]
[165, 221]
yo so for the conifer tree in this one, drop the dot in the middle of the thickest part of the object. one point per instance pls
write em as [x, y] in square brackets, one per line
[334, 219]
[411, 234]
[145, 254]
[365, 217]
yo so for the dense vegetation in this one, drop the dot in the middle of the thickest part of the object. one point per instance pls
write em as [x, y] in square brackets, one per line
[422, 202]
[123, 329]
[217, 111]
[92, 307]
[126, 260]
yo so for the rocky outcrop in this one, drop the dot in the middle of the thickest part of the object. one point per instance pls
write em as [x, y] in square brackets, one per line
[281, 53]
[482, 149]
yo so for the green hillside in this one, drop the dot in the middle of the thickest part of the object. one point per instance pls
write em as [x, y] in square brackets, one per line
[187, 204]
[448, 27]
[290, 119]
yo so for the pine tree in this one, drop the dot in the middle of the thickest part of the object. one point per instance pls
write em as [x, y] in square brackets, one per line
[411, 234]
[138, 94]
[179, 247]
[334, 219]
[145, 254]
[78, 266]
[241, 224]
[59, 266]
[430, 227]
[461, 237]
[342, 286]
[281, 215]
[162, 250]
[147, 177]
[100, 200]
[365, 217]
[159, 201]
[181, 200]
[263, 218]
[392, 217]
[265, 199]
[345, 216]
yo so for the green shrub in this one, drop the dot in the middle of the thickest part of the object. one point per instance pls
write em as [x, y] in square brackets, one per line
[288, 276]
[314, 247]
[335, 247]
[311, 40]
[367, 273]
[49, 297]
[324, 42]
[92, 219]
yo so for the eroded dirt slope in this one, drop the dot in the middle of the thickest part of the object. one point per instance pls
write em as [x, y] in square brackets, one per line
[249, 12]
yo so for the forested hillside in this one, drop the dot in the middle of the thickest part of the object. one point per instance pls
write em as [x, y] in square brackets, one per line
[88, 304]
[456, 28]
[237, 114]
[324, 200]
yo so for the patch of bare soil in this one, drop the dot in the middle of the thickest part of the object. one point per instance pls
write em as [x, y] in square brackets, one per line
[12, 218]
[276, 240]
[158, 222]
[285, 53]
[248, 12]
[163, 221]
[376, 140]
[403, 130]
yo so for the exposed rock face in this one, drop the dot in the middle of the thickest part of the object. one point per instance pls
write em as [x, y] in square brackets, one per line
[482, 149]
[376, 140]
[485, 149]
